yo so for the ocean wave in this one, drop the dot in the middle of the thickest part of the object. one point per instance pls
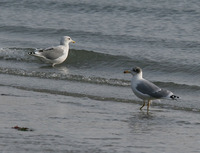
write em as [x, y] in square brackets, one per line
[16, 54]
[90, 79]
[30, 30]
[91, 35]
[85, 58]
[107, 7]
[101, 98]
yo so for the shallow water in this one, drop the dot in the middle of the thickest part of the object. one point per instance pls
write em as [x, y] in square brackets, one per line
[86, 104]
[63, 123]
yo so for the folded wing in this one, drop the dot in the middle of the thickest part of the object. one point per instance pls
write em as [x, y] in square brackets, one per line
[152, 90]
[51, 53]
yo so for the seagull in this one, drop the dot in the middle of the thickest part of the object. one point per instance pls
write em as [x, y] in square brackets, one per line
[146, 90]
[54, 55]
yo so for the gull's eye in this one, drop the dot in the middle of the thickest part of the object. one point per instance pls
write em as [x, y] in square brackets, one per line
[69, 38]
[137, 70]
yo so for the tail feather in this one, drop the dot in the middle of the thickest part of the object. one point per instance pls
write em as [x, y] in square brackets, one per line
[31, 53]
[174, 97]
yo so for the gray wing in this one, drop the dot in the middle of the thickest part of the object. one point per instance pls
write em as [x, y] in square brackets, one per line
[151, 89]
[52, 53]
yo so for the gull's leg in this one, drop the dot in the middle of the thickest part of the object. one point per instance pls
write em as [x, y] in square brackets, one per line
[149, 102]
[142, 105]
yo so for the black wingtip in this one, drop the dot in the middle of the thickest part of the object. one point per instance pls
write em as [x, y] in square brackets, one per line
[30, 53]
[174, 97]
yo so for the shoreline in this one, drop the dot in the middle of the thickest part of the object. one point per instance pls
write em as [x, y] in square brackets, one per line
[82, 124]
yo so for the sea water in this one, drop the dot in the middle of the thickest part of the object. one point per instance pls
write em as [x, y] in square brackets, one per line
[86, 104]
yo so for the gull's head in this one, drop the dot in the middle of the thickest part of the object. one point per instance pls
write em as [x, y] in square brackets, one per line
[65, 40]
[135, 71]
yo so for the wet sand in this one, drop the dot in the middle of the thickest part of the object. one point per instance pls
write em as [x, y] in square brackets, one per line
[71, 124]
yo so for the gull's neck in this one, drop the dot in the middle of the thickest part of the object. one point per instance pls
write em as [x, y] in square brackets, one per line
[138, 76]
[64, 43]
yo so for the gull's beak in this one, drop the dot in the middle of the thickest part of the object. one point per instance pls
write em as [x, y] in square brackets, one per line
[73, 41]
[127, 71]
